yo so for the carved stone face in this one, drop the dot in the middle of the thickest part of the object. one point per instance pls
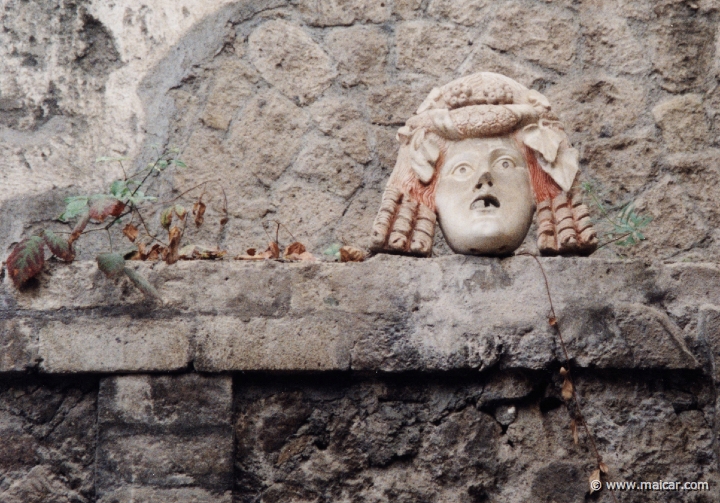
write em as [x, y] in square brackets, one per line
[484, 199]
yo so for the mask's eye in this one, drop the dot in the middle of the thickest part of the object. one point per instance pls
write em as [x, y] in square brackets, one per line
[462, 170]
[505, 162]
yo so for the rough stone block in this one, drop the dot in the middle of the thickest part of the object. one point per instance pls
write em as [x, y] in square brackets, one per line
[538, 33]
[18, 345]
[319, 342]
[119, 344]
[165, 437]
[289, 59]
[683, 123]
[48, 430]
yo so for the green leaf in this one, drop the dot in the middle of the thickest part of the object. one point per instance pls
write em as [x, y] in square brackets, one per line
[112, 264]
[166, 217]
[333, 250]
[143, 284]
[161, 164]
[26, 260]
[103, 206]
[58, 246]
[111, 159]
[179, 163]
[74, 207]
[118, 188]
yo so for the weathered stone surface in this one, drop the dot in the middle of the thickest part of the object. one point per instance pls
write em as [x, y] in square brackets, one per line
[289, 59]
[415, 39]
[48, 449]
[361, 53]
[165, 437]
[267, 137]
[116, 78]
[18, 343]
[683, 123]
[539, 33]
[422, 315]
[323, 164]
[343, 12]
[681, 45]
[610, 43]
[435, 439]
[232, 88]
[118, 344]
[469, 13]
[315, 343]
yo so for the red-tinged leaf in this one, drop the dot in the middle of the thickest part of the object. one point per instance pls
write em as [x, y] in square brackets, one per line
[58, 246]
[166, 217]
[26, 260]
[199, 213]
[112, 264]
[103, 206]
[552, 321]
[251, 251]
[142, 284]
[224, 220]
[79, 227]
[131, 232]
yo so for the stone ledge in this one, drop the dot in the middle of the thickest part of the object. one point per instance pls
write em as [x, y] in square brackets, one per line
[387, 314]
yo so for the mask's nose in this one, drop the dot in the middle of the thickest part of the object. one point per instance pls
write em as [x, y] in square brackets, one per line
[485, 180]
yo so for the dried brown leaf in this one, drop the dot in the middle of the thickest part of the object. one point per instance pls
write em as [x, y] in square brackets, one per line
[574, 429]
[197, 252]
[155, 252]
[595, 483]
[199, 213]
[58, 246]
[131, 232]
[301, 257]
[351, 254]
[567, 389]
[224, 220]
[295, 248]
[273, 249]
[563, 371]
[171, 254]
[251, 251]
[553, 321]
[604, 468]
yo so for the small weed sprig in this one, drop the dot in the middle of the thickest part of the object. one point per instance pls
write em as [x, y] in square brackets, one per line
[625, 227]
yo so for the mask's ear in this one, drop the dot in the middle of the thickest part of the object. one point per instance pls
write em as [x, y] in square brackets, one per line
[557, 158]
[424, 153]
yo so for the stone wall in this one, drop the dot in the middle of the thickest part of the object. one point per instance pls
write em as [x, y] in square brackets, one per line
[397, 379]
[293, 105]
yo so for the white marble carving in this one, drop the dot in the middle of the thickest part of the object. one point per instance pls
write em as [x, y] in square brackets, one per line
[481, 155]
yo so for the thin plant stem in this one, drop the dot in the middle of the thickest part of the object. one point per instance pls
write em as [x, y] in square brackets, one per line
[568, 376]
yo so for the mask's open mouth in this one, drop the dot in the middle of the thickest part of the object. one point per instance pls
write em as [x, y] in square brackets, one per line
[485, 202]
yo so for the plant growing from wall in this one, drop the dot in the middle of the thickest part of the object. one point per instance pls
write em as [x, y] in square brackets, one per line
[100, 212]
